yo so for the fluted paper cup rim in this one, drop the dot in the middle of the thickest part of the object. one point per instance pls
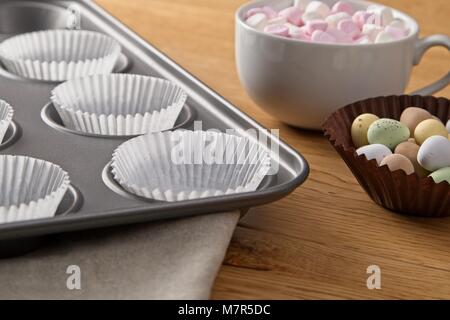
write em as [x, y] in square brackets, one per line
[62, 188]
[9, 114]
[54, 97]
[143, 190]
[4, 54]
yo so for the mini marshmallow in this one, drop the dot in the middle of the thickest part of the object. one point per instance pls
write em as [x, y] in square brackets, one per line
[363, 40]
[342, 6]
[448, 126]
[311, 16]
[385, 13]
[277, 30]
[375, 19]
[322, 37]
[333, 19]
[398, 23]
[340, 36]
[361, 17]
[371, 31]
[270, 12]
[349, 27]
[318, 7]
[299, 34]
[292, 28]
[314, 25]
[253, 11]
[397, 33]
[384, 36]
[257, 21]
[277, 20]
[293, 15]
[301, 4]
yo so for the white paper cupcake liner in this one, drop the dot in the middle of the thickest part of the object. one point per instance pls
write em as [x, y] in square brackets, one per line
[6, 115]
[150, 166]
[30, 188]
[59, 55]
[119, 104]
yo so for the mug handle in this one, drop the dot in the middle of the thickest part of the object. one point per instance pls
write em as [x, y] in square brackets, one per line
[422, 46]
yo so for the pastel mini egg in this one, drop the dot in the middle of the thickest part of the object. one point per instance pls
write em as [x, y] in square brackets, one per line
[398, 162]
[434, 153]
[374, 151]
[441, 175]
[429, 128]
[412, 116]
[410, 150]
[388, 132]
[360, 127]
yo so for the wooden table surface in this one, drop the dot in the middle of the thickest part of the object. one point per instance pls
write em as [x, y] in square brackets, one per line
[318, 242]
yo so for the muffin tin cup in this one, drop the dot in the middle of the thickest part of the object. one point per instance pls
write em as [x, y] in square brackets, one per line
[6, 115]
[245, 164]
[31, 188]
[396, 191]
[59, 55]
[119, 104]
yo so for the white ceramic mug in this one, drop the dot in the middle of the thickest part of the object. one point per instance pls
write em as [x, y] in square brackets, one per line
[301, 83]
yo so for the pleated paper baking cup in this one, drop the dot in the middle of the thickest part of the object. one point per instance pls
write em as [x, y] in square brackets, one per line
[30, 188]
[119, 104]
[6, 114]
[396, 191]
[184, 165]
[59, 55]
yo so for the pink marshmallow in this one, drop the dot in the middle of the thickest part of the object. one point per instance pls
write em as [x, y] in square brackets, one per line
[277, 30]
[398, 33]
[252, 12]
[322, 37]
[363, 40]
[314, 25]
[361, 17]
[340, 36]
[270, 12]
[293, 15]
[342, 6]
[349, 27]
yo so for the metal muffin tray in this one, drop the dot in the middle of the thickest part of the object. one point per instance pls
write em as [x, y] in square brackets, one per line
[95, 200]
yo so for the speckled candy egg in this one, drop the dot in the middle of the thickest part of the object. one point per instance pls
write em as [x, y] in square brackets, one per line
[429, 128]
[374, 151]
[434, 153]
[412, 116]
[441, 175]
[360, 127]
[398, 162]
[410, 150]
[388, 132]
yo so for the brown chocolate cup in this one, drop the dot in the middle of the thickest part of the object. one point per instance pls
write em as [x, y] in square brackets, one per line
[396, 191]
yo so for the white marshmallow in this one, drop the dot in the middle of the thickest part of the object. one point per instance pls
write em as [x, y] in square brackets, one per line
[398, 23]
[292, 28]
[386, 14]
[384, 36]
[309, 16]
[318, 7]
[302, 4]
[334, 19]
[371, 31]
[363, 40]
[448, 126]
[257, 21]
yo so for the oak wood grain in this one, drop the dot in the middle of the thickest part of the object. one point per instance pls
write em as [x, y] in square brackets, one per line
[318, 242]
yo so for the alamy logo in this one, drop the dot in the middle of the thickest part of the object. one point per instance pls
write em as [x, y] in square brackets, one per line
[374, 280]
[74, 280]
[73, 21]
